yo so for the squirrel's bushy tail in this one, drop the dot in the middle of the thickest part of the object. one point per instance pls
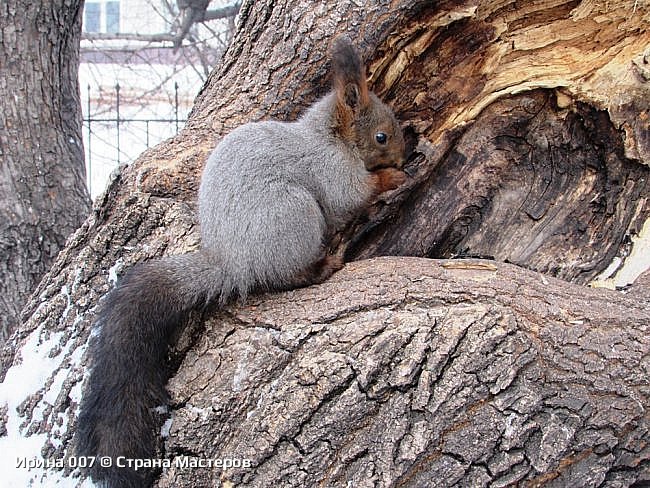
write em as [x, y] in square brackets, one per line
[137, 321]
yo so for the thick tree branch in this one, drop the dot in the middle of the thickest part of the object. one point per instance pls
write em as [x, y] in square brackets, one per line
[221, 13]
[411, 372]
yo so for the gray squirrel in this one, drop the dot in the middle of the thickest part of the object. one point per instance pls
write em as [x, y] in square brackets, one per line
[272, 196]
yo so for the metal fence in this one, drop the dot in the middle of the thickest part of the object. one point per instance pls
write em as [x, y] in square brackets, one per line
[108, 131]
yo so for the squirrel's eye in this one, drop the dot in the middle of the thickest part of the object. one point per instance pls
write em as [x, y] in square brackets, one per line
[381, 138]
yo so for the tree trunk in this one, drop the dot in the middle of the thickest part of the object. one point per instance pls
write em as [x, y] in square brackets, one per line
[530, 137]
[43, 196]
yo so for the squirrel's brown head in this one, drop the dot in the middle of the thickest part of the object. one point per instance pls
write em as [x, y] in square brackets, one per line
[361, 119]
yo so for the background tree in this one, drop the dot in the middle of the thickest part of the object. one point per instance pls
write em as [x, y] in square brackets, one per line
[530, 136]
[43, 196]
[196, 11]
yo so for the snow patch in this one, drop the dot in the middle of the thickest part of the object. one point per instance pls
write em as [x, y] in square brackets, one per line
[241, 373]
[203, 413]
[41, 357]
[639, 259]
[68, 305]
[112, 272]
[166, 428]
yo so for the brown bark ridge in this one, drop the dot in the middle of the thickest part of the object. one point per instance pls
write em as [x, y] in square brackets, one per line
[43, 196]
[529, 123]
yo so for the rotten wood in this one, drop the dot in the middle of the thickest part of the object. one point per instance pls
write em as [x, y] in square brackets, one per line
[528, 183]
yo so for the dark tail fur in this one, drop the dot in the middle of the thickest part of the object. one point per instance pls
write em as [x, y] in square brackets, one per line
[138, 319]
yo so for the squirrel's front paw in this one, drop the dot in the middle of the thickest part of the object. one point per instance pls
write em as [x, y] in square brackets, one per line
[388, 179]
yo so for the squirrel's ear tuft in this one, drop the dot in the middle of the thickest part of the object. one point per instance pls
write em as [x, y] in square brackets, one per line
[349, 75]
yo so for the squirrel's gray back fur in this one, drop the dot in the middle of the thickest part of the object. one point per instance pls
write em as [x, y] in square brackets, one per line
[271, 196]
[297, 183]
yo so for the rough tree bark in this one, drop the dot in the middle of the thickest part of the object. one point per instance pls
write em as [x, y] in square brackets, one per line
[411, 372]
[529, 124]
[43, 196]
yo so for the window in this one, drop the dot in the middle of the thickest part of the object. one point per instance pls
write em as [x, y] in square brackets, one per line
[102, 16]
[112, 17]
[92, 17]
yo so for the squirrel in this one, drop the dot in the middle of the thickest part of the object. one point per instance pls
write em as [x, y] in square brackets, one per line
[271, 197]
